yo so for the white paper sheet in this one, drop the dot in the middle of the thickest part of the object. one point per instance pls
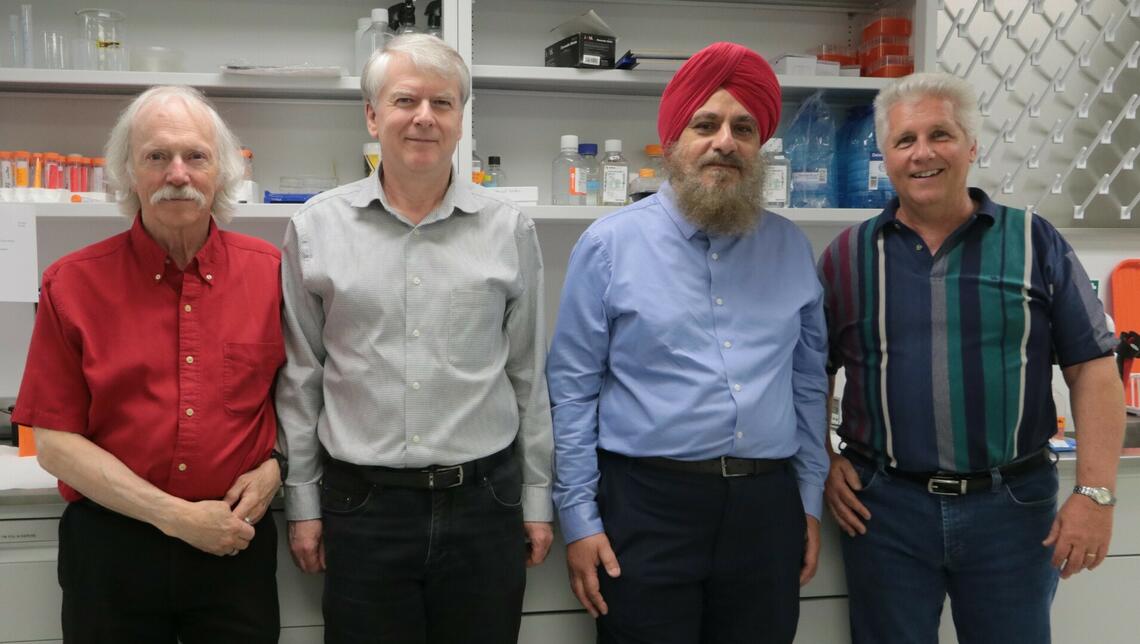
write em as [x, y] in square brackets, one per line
[19, 271]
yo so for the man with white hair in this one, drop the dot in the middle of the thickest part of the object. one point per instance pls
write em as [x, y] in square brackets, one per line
[149, 382]
[947, 311]
[414, 403]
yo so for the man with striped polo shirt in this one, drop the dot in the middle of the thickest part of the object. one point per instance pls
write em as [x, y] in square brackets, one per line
[947, 311]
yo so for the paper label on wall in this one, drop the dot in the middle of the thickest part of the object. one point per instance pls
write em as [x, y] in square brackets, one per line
[18, 263]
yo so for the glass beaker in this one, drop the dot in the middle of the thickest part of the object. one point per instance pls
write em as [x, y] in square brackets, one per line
[103, 29]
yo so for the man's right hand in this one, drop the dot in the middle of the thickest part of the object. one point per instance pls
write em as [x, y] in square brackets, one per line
[306, 545]
[212, 526]
[582, 559]
[839, 492]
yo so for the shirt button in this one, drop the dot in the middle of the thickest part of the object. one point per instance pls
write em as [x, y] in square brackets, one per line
[719, 302]
[416, 281]
[189, 359]
[715, 256]
[415, 232]
[740, 434]
[918, 246]
[416, 438]
[181, 467]
[209, 276]
[415, 333]
[186, 308]
[416, 386]
[189, 412]
[727, 344]
[736, 387]
[157, 277]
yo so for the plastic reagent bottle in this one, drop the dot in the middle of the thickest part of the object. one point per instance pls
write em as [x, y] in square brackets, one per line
[615, 175]
[589, 153]
[373, 38]
[777, 178]
[476, 166]
[494, 176]
[568, 178]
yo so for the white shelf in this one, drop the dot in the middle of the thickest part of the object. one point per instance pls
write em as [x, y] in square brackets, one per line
[552, 214]
[70, 81]
[642, 83]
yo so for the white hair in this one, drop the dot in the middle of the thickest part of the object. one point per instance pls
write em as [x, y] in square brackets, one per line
[917, 86]
[427, 53]
[227, 148]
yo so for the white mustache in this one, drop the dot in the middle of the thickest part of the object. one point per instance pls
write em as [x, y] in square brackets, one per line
[178, 193]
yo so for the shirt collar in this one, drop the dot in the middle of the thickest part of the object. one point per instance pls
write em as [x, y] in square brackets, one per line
[459, 197]
[152, 258]
[985, 209]
[668, 199]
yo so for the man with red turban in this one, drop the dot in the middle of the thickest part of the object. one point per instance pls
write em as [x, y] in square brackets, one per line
[687, 382]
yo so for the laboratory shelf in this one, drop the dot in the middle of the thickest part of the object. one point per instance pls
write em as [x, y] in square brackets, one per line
[551, 214]
[643, 83]
[70, 81]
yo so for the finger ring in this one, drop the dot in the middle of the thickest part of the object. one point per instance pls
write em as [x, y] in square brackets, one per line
[1090, 555]
[233, 552]
[249, 520]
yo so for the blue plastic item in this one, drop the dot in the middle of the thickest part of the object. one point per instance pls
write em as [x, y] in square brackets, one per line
[288, 197]
[864, 178]
[810, 146]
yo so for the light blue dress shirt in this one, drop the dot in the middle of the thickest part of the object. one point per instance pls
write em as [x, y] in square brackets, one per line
[673, 343]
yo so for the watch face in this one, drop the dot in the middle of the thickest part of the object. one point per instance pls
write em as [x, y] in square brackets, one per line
[1101, 495]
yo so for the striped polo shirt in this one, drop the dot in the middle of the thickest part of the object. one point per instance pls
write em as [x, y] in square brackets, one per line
[948, 356]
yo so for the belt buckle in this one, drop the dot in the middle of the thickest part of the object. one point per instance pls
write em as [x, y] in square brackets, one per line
[724, 470]
[458, 481]
[944, 486]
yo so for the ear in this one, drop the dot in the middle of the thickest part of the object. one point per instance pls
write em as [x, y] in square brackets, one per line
[370, 117]
[974, 151]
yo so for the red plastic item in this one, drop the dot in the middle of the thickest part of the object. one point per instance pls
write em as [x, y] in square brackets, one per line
[881, 46]
[1126, 295]
[887, 26]
[841, 54]
[889, 67]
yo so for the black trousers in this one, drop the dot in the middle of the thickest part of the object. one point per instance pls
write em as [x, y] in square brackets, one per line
[703, 558]
[410, 566]
[125, 582]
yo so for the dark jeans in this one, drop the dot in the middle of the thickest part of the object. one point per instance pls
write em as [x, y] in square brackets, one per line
[703, 558]
[125, 582]
[413, 566]
[983, 549]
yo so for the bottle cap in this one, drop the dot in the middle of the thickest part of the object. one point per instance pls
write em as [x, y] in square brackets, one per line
[653, 150]
[493, 160]
[588, 149]
[246, 153]
[569, 141]
[613, 145]
[379, 15]
[646, 173]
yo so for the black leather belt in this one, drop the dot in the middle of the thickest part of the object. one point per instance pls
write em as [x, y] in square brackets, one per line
[725, 466]
[956, 483]
[436, 477]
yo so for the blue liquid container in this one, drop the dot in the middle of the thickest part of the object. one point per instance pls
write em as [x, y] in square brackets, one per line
[810, 145]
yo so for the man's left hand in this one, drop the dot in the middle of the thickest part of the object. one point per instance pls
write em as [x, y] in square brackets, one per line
[251, 492]
[1080, 535]
[811, 550]
[539, 536]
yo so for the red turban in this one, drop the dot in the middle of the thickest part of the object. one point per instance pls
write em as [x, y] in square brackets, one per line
[738, 69]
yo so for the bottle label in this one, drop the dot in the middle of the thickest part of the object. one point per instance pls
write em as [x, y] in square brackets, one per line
[816, 178]
[776, 186]
[877, 173]
[6, 178]
[615, 181]
[577, 182]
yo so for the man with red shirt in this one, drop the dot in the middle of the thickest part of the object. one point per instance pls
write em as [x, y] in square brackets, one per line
[149, 382]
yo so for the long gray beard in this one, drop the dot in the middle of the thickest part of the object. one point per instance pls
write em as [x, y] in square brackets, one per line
[726, 208]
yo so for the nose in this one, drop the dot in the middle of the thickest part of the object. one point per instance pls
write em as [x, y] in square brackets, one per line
[923, 149]
[177, 172]
[723, 141]
[424, 117]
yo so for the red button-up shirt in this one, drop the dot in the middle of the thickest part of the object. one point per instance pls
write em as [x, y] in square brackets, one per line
[171, 371]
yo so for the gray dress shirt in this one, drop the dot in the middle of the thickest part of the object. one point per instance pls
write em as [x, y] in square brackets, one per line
[411, 346]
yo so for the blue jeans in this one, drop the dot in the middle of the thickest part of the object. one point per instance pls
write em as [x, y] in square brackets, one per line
[413, 566]
[983, 549]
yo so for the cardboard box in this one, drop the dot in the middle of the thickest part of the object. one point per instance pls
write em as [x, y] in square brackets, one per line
[794, 65]
[590, 51]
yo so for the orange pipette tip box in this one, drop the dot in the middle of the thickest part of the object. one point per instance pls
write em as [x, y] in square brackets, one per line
[27, 441]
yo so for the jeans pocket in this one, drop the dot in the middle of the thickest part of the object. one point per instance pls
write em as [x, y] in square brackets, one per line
[342, 493]
[504, 484]
[868, 474]
[1035, 489]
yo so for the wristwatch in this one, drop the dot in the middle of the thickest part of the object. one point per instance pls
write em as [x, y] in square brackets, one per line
[1099, 495]
[282, 463]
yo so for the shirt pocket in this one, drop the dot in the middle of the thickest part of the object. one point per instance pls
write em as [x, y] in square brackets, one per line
[248, 371]
[475, 327]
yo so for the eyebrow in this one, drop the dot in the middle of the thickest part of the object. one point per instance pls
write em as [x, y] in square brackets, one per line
[743, 118]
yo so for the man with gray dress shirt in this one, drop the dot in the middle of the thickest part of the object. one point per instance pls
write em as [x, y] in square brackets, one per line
[413, 404]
